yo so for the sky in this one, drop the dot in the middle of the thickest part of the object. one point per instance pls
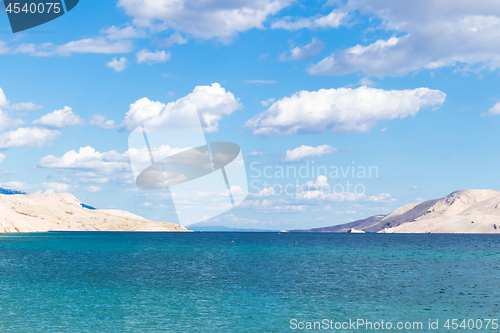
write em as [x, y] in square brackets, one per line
[405, 94]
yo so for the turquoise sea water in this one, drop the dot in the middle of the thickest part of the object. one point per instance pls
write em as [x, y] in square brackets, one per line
[205, 282]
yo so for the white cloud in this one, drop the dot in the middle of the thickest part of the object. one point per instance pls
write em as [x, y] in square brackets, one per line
[261, 81]
[265, 192]
[6, 121]
[320, 190]
[342, 110]
[255, 153]
[101, 122]
[331, 20]
[28, 106]
[3, 99]
[2, 157]
[87, 158]
[93, 166]
[172, 40]
[212, 103]
[208, 19]
[307, 151]
[117, 65]
[94, 45]
[47, 187]
[267, 101]
[494, 111]
[53, 187]
[305, 52]
[115, 33]
[432, 34]
[27, 137]
[366, 82]
[145, 55]
[25, 106]
[94, 189]
[88, 45]
[59, 119]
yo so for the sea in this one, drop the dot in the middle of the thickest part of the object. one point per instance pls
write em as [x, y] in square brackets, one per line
[249, 282]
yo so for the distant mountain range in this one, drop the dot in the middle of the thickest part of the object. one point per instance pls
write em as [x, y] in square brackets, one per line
[469, 211]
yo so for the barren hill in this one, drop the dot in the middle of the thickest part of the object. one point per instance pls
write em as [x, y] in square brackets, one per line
[468, 211]
[63, 212]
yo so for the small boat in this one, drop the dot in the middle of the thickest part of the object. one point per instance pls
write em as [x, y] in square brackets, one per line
[354, 231]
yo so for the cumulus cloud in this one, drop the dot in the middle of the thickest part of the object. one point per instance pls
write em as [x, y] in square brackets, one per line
[3, 99]
[494, 111]
[212, 103]
[332, 20]
[303, 151]
[305, 52]
[101, 122]
[28, 137]
[6, 121]
[207, 19]
[172, 40]
[432, 34]
[87, 158]
[59, 119]
[115, 33]
[117, 65]
[2, 157]
[342, 110]
[97, 166]
[267, 101]
[152, 57]
[23, 106]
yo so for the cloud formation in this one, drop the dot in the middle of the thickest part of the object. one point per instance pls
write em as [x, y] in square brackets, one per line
[207, 19]
[305, 52]
[59, 119]
[117, 65]
[212, 103]
[342, 110]
[332, 20]
[428, 34]
[303, 151]
[145, 55]
[494, 111]
[28, 137]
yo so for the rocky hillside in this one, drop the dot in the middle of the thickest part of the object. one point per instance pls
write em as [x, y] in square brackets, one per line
[469, 211]
[63, 212]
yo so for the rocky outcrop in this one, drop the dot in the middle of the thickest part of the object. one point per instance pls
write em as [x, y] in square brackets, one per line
[63, 212]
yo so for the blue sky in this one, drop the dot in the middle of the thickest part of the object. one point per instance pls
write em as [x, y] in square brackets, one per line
[408, 88]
